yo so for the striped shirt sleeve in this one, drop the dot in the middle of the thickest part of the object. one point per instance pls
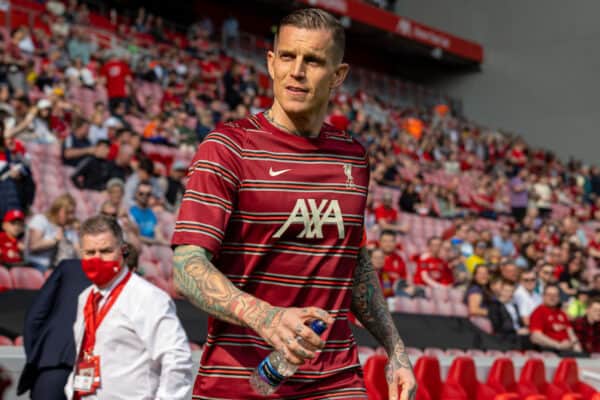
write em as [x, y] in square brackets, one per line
[211, 191]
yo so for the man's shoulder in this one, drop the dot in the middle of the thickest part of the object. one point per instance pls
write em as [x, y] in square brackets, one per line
[329, 132]
[146, 290]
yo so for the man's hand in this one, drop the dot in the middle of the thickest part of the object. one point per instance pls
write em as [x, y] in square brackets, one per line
[399, 374]
[285, 329]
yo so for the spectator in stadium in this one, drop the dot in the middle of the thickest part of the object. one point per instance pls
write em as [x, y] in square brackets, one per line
[549, 325]
[432, 270]
[131, 233]
[11, 238]
[378, 260]
[505, 317]
[115, 191]
[16, 184]
[387, 217]
[519, 195]
[542, 194]
[45, 232]
[478, 295]
[571, 278]
[77, 146]
[509, 271]
[578, 304]
[48, 333]
[95, 170]
[175, 187]
[545, 277]
[477, 258]
[144, 172]
[467, 246]
[409, 198]
[573, 232]
[145, 218]
[526, 298]
[305, 66]
[595, 286]
[587, 328]
[118, 78]
[503, 242]
[159, 362]
[594, 247]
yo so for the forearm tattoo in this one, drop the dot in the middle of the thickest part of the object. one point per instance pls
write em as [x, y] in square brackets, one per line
[208, 289]
[370, 307]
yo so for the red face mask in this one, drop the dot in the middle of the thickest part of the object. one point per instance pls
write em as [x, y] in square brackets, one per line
[100, 272]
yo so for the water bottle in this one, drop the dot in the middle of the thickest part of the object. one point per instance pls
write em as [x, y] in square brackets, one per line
[274, 369]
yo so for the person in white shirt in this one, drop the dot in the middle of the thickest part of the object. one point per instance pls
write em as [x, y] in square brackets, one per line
[129, 341]
[525, 297]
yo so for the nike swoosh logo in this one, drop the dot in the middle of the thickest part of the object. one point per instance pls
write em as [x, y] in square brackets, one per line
[277, 173]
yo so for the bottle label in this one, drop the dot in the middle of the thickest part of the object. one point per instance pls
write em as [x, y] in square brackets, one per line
[268, 373]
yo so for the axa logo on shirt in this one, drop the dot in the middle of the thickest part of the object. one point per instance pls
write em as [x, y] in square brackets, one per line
[314, 216]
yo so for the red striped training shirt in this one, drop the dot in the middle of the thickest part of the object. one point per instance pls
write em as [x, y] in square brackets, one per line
[283, 217]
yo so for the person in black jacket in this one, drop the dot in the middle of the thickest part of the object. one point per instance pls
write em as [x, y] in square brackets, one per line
[505, 317]
[48, 333]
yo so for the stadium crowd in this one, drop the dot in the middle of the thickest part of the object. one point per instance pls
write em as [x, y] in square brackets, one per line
[508, 232]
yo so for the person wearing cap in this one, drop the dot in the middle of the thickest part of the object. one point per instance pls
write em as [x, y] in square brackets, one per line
[175, 187]
[477, 257]
[11, 238]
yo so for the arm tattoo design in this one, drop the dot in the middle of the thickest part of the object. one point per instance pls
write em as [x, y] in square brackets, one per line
[209, 290]
[370, 307]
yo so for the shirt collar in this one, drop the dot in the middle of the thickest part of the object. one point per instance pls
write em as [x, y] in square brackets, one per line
[106, 291]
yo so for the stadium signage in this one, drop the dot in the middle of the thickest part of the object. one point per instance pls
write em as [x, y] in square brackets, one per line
[367, 14]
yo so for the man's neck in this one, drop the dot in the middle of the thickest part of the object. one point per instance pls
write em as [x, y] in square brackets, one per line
[308, 126]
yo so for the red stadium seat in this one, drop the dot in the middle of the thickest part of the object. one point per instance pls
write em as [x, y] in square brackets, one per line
[5, 281]
[462, 376]
[444, 308]
[460, 310]
[412, 351]
[440, 294]
[376, 384]
[26, 278]
[19, 341]
[533, 381]
[5, 341]
[434, 352]
[566, 377]
[425, 306]
[407, 305]
[502, 376]
[427, 373]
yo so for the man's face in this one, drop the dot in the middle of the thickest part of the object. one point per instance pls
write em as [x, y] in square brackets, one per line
[304, 69]
[506, 293]
[546, 274]
[103, 245]
[387, 200]
[143, 195]
[551, 297]
[434, 247]
[387, 243]
[510, 272]
[115, 194]
[597, 282]
[593, 312]
[528, 281]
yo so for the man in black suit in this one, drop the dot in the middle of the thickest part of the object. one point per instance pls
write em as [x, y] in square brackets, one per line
[48, 333]
[505, 317]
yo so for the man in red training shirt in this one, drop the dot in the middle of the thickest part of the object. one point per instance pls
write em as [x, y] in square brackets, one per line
[432, 270]
[268, 236]
[11, 245]
[549, 325]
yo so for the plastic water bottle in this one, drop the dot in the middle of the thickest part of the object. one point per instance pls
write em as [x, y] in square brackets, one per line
[274, 369]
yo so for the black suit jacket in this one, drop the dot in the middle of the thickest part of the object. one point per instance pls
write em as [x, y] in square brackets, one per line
[48, 332]
[502, 321]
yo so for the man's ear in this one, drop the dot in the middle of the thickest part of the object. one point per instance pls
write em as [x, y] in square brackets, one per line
[341, 71]
[270, 59]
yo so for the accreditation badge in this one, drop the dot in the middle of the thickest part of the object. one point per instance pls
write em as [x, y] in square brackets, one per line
[87, 376]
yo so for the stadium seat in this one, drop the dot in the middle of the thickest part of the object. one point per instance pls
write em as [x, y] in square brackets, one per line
[5, 341]
[456, 295]
[407, 305]
[444, 308]
[566, 377]
[462, 376]
[434, 352]
[533, 381]
[476, 353]
[364, 352]
[427, 373]
[413, 351]
[425, 306]
[376, 384]
[501, 377]
[460, 310]
[19, 341]
[5, 281]
[26, 278]
[455, 353]
[440, 294]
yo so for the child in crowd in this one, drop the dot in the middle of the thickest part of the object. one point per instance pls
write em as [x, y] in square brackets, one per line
[11, 238]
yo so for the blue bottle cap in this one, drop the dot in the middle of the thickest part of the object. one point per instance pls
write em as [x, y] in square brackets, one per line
[318, 326]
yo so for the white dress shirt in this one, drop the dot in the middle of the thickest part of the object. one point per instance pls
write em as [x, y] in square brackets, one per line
[526, 301]
[143, 349]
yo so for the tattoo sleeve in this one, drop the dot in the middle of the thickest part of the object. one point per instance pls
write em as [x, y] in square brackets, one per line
[370, 307]
[211, 291]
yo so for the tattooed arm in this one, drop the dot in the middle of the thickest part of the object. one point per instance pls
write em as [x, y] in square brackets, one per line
[211, 291]
[370, 307]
